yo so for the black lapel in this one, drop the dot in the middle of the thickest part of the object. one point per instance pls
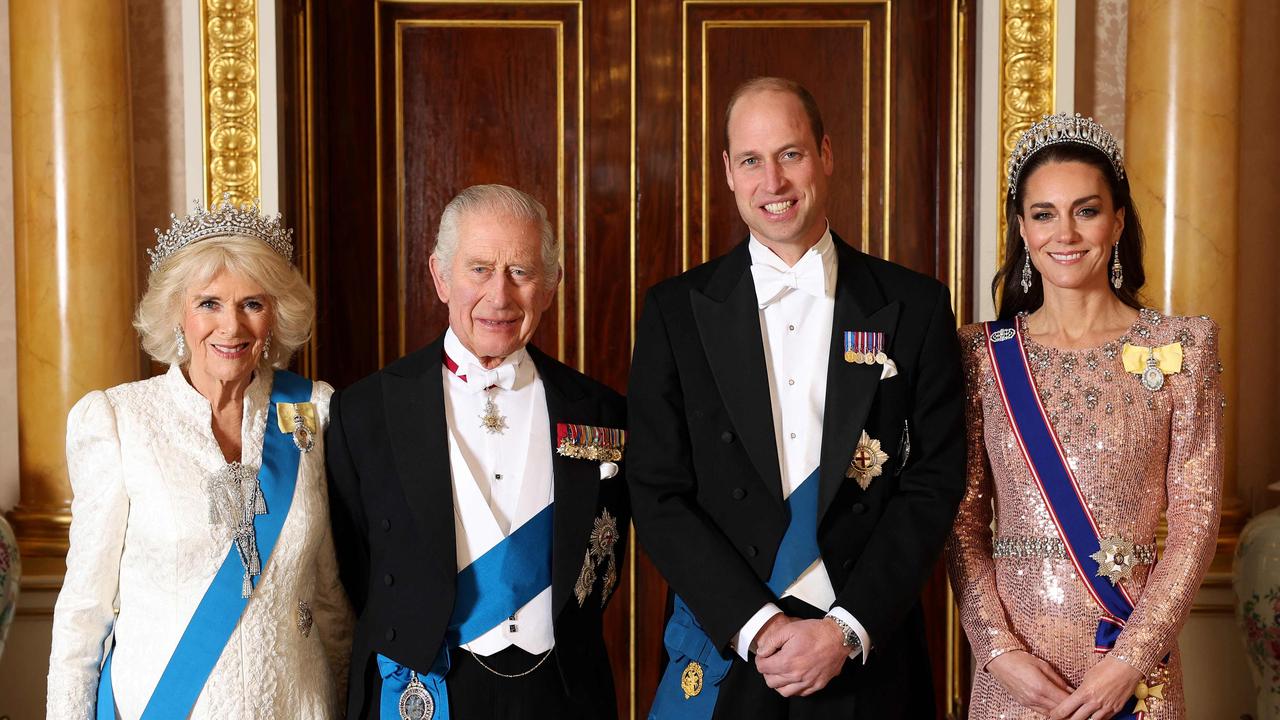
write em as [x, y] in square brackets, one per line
[728, 317]
[860, 305]
[577, 482]
[413, 394]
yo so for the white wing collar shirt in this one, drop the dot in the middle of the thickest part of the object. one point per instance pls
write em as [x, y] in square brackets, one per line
[797, 307]
[500, 479]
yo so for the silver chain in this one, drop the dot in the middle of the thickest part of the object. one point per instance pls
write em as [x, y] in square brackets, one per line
[537, 665]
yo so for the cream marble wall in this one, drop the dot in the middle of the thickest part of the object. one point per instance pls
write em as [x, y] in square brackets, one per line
[1102, 28]
[156, 83]
[8, 319]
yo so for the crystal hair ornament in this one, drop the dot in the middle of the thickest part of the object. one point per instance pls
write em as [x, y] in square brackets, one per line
[222, 219]
[1056, 130]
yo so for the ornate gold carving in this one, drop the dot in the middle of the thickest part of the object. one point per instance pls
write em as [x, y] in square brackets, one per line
[1027, 56]
[229, 53]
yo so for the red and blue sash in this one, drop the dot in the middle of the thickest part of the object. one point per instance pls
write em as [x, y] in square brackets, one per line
[1056, 482]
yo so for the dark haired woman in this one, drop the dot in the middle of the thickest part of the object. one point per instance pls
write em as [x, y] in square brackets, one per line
[1088, 416]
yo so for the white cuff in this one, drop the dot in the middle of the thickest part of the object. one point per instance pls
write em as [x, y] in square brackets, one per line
[744, 641]
[852, 622]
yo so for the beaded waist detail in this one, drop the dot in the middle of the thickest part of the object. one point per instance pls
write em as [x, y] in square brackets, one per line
[1052, 548]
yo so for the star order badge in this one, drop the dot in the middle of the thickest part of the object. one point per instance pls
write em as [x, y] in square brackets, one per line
[868, 461]
[1116, 559]
[600, 551]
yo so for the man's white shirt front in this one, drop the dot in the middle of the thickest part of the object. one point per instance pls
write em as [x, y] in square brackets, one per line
[500, 480]
[795, 326]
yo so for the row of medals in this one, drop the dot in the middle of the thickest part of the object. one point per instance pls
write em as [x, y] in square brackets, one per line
[855, 357]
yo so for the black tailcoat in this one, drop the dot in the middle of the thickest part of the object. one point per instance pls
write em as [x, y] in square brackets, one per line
[391, 504]
[705, 481]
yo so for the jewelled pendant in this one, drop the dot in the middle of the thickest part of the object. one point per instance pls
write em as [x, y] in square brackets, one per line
[1152, 376]
[416, 702]
[302, 437]
[491, 421]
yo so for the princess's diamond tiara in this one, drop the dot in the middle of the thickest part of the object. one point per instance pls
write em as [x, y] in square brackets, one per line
[1063, 128]
[222, 219]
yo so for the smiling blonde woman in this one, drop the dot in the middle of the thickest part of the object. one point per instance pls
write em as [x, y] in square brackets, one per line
[201, 580]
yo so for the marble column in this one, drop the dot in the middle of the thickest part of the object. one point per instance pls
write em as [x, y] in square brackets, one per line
[1182, 116]
[73, 238]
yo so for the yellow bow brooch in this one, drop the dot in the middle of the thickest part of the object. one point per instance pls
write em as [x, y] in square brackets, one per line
[1151, 364]
[298, 419]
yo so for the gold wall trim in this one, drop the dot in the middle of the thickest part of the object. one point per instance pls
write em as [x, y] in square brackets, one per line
[229, 100]
[580, 247]
[1028, 53]
[705, 161]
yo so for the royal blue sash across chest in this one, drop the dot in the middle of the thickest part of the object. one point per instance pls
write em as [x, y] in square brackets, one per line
[220, 609]
[489, 590]
[687, 643]
[1056, 482]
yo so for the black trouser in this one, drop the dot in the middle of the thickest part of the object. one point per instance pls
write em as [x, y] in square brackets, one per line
[476, 693]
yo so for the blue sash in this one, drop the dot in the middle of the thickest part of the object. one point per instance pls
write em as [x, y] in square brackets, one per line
[492, 588]
[687, 642]
[1056, 482]
[219, 611]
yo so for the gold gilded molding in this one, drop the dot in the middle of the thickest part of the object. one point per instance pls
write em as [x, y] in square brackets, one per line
[229, 99]
[1027, 55]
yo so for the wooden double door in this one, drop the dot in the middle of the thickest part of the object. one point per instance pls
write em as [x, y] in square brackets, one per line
[611, 113]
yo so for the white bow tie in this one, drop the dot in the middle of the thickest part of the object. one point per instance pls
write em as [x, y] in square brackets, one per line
[478, 378]
[773, 284]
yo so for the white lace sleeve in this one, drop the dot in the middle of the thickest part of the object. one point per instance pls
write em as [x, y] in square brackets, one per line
[84, 613]
[333, 616]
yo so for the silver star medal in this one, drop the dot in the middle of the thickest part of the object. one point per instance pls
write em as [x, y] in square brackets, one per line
[1116, 559]
[491, 421]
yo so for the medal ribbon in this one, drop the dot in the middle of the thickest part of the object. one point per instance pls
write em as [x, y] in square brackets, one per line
[491, 589]
[1057, 484]
[220, 609]
[687, 642]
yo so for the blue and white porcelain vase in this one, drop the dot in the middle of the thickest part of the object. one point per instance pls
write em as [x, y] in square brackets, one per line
[1256, 577]
[10, 573]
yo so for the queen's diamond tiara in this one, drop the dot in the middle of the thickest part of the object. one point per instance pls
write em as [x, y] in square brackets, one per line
[1063, 128]
[222, 219]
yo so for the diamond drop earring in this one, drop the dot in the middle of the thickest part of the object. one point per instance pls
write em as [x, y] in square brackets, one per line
[180, 341]
[1026, 273]
[1117, 272]
[266, 347]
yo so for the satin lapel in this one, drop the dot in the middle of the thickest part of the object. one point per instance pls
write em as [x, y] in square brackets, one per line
[728, 318]
[419, 442]
[576, 482]
[851, 387]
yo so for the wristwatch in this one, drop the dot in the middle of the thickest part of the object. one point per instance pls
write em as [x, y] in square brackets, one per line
[851, 639]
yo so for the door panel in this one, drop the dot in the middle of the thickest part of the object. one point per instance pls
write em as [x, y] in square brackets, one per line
[610, 112]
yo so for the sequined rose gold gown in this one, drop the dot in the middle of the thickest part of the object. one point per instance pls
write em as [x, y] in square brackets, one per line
[1134, 453]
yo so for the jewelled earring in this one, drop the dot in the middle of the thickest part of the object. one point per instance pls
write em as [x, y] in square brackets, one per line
[266, 347]
[1026, 273]
[1117, 272]
[180, 341]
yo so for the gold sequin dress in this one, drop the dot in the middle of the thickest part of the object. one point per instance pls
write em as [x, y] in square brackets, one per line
[1134, 452]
